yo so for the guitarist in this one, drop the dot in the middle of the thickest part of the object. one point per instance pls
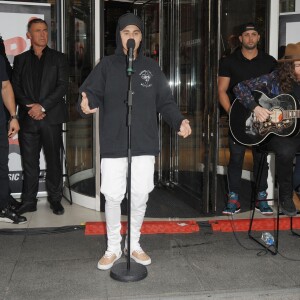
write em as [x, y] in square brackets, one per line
[286, 79]
[244, 63]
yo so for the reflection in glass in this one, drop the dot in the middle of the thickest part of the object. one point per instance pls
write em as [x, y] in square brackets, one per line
[78, 48]
[190, 93]
[176, 45]
[287, 6]
[78, 41]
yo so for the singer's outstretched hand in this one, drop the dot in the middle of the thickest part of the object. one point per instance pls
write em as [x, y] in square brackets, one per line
[185, 129]
[84, 105]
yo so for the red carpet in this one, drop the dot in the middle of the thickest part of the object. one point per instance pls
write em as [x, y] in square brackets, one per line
[258, 224]
[149, 227]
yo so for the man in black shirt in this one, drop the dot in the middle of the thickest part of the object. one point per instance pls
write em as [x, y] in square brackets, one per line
[7, 214]
[244, 63]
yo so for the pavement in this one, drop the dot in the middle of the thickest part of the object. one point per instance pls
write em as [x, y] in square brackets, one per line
[60, 263]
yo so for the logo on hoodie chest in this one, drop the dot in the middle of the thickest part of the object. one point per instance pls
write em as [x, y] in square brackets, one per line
[146, 76]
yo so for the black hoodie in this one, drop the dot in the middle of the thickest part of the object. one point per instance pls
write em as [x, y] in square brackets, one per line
[106, 87]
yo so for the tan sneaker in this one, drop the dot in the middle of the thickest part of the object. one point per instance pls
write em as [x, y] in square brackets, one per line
[108, 259]
[139, 256]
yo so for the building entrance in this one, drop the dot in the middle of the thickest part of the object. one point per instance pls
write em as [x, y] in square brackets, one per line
[174, 36]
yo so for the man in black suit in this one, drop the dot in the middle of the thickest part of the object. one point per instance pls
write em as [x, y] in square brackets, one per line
[40, 81]
[7, 213]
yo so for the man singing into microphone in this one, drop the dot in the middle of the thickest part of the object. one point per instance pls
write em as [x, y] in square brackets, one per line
[106, 88]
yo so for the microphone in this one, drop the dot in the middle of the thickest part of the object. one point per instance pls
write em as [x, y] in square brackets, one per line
[130, 46]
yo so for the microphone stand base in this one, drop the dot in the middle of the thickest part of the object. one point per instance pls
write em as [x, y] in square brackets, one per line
[121, 272]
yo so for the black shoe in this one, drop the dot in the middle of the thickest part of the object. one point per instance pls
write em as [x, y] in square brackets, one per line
[57, 208]
[26, 207]
[9, 216]
[287, 206]
[14, 204]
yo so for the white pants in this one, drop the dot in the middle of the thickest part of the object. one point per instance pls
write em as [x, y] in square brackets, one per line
[113, 187]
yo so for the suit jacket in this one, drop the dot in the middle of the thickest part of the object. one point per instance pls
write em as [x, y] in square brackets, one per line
[54, 85]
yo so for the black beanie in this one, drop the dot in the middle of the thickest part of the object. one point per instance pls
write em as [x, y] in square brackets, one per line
[130, 19]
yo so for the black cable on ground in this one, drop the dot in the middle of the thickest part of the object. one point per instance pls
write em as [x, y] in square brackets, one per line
[261, 251]
[38, 231]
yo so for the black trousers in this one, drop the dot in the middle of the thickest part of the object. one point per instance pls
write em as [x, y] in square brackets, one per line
[4, 181]
[235, 166]
[285, 149]
[32, 137]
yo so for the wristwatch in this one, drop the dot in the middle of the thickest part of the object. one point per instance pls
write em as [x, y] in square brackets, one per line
[14, 117]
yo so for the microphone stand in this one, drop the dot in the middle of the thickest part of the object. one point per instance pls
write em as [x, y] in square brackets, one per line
[130, 271]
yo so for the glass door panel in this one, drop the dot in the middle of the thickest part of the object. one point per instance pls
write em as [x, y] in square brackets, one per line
[79, 142]
[190, 70]
[173, 36]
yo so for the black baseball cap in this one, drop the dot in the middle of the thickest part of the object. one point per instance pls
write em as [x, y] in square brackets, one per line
[248, 26]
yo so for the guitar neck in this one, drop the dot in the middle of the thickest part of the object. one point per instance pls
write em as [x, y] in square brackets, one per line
[291, 114]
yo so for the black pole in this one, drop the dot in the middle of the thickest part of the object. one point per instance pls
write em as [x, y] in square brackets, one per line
[130, 271]
[129, 103]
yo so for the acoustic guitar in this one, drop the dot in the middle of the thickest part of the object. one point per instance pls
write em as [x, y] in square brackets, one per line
[247, 130]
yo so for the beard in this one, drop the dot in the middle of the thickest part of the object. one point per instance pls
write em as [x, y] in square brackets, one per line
[250, 47]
